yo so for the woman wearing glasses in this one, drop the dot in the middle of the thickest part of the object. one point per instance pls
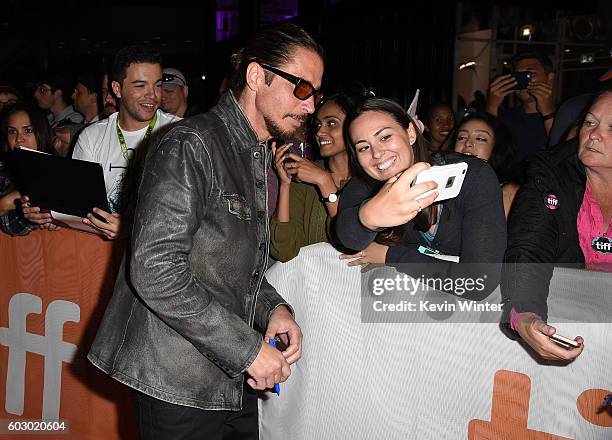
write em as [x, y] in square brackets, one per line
[21, 127]
[306, 207]
[480, 135]
[380, 216]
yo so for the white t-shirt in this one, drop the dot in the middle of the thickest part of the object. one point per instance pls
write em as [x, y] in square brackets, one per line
[99, 143]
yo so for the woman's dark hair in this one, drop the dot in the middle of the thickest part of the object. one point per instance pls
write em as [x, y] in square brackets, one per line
[425, 218]
[344, 101]
[503, 157]
[273, 46]
[432, 108]
[40, 125]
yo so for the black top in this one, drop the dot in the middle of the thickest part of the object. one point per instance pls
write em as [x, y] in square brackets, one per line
[527, 130]
[471, 226]
[540, 237]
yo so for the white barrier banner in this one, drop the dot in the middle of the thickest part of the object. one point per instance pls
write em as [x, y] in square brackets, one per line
[448, 379]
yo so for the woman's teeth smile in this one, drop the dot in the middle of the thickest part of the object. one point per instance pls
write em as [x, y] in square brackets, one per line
[386, 164]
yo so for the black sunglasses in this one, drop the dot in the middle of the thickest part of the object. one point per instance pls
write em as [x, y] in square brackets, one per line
[302, 90]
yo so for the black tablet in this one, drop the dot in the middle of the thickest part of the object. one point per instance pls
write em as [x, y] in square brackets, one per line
[69, 186]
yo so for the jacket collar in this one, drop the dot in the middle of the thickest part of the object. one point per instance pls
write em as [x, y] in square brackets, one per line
[242, 134]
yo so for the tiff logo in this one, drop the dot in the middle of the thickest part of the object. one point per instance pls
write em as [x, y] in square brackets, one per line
[552, 201]
[603, 246]
[52, 346]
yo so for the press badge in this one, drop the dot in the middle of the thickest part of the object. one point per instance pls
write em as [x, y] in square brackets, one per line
[602, 245]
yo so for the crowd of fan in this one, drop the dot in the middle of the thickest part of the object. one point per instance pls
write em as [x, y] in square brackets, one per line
[538, 187]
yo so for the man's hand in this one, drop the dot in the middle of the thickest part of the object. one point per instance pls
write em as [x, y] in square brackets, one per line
[543, 94]
[536, 334]
[111, 228]
[269, 368]
[282, 324]
[498, 90]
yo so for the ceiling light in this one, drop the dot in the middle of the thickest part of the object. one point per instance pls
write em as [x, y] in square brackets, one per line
[466, 65]
[526, 31]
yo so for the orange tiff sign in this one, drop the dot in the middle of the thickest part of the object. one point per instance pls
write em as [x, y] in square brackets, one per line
[53, 291]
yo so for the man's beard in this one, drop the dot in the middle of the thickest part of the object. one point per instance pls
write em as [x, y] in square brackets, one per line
[278, 133]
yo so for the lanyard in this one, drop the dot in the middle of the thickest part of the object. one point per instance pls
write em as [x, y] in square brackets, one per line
[147, 135]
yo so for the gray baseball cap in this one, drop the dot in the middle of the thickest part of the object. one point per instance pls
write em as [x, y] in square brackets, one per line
[172, 78]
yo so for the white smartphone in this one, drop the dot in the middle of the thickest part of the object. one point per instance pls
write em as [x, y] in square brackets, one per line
[448, 177]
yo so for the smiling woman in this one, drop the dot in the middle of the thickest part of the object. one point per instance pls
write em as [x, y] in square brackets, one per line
[439, 125]
[380, 215]
[306, 207]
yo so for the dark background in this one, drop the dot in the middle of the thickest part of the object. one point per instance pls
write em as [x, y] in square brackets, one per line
[394, 47]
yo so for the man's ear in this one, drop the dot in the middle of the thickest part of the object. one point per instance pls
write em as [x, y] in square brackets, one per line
[255, 76]
[412, 135]
[116, 89]
[550, 78]
[186, 91]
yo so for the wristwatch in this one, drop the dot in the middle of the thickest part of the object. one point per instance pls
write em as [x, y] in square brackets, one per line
[333, 197]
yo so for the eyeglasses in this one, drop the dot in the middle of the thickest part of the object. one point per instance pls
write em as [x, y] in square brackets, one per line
[302, 90]
[42, 89]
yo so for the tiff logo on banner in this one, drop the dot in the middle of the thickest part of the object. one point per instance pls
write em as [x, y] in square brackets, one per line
[52, 346]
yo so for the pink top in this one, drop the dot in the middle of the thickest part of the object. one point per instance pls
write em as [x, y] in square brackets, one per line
[590, 227]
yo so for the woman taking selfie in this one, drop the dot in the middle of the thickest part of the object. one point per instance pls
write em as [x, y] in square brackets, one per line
[380, 216]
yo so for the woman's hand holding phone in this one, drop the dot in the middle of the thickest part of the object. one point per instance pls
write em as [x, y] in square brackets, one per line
[538, 335]
[395, 203]
[279, 158]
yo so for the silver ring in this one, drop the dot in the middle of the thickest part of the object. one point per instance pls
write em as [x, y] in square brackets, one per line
[417, 202]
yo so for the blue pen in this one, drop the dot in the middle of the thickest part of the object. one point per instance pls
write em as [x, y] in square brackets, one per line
[272, 342]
